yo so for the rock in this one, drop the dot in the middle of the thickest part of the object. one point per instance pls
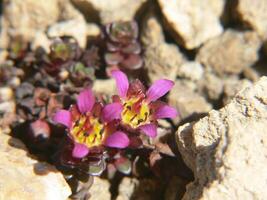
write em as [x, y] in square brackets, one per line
[227, 150]
[161, 60]
[127, 188]
[191, 70]
[75, 28]
[100, 189]
[185, 18]
[3, 54]
[187, 101]
[6, 94]
[107, 87]
[93, 30]
[8, 116]
[254, 15]
[24, 178]
[109, 11]
[139, 189]
[41, 40]
[232, 87]
[231, 52]
[30, 16]
[211, 85]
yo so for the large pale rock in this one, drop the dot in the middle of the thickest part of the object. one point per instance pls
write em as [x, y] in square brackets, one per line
[193, 22]
[74, 28]
[230, 52]
[232, 87]
[187, 101]
[127, 188]
[191, 70]
[110, 11]
[161, 60]
[227, 150]
[254, 14]
[24, 178]
[100, 189]
[28, 17]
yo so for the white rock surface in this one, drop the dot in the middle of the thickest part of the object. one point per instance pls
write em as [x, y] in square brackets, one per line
[161, 60]
[24, 178]
[191, 70]
[76, 28]
[110, 11]
[231, 52]
[187, 101]
[255, 14]
[100, 189]
[25, 18]
[227, 150]
[193, 21]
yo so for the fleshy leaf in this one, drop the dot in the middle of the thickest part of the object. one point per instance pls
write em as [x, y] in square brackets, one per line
[118, 140]
[113, 58]
[121, 82]
[86, 101]
[112, 111]
[159, 89]
[132, 62]
[63, 117]
[123, 165]
[149, 129]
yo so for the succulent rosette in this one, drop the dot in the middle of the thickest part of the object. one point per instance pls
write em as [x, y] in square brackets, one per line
[87, 127]
[139, 109]
[122, 47]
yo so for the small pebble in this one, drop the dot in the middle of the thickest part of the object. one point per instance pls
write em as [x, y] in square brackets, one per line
[6, 94]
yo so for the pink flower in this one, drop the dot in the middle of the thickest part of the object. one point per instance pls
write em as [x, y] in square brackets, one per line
[137, 108]
[87, 128]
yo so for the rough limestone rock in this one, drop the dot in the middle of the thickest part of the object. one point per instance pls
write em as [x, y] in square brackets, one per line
[230, 52]
[106, 87]
[28, 17]
[227, 150]
[100, 189]
[191, 70]
[127, 188]
[187, 101]
[211, 85]
[161, 60]
[75, 28]
[254, 14]
[186, 17]
[232, 87]
[109, 11]
[24, 178]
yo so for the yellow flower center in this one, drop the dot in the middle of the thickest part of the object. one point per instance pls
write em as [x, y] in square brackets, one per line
[135, 112]
[88, 130]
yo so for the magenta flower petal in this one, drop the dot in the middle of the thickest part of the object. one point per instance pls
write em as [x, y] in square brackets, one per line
[86, 101]
[165, 111]
[149, 129]
[121, 82]
[63, 117]
[118, 140]
[159, 89]
[80, 150]
[112, 111]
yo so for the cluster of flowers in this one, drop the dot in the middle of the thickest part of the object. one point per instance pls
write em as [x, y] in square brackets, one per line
[133, 111]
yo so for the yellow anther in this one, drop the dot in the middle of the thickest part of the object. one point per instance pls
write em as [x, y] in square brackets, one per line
[88, 131]
[132, 117]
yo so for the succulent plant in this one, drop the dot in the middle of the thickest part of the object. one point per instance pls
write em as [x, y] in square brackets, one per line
[122, 47]
[67, 61]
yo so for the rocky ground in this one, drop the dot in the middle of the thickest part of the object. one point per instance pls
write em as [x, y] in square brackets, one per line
[216, 53]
